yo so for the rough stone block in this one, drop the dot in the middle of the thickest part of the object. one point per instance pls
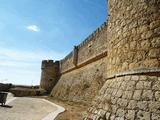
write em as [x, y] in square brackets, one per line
[147, 95]
[142, 115]
[157, 95]
[139, 85]
[123, 85]
[130, 114]
[154, 107]
[142, 105]
[127, 95]
[154, 53]
[143, 77]
[101, 113]
[114, 108]
[155, 42]
[108, 115]
[119, 118]
[137, 94]
[120, 112]
[119, 93]
[156, 85]
[131, 85]
[147, 84]
[112, 117]
[122, 102]
[114, 100]
[132, 104]
[135, 77]
[155, 116]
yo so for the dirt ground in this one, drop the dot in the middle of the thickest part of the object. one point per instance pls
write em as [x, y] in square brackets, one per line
[74, 111]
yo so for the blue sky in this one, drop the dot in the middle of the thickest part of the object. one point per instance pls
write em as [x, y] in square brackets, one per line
[33, 30]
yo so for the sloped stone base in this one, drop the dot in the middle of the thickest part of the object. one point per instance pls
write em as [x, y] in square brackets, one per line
[133, 97]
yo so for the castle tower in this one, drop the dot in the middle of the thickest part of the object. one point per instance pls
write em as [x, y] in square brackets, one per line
[133, 36]
[49, 74]
[132, 87]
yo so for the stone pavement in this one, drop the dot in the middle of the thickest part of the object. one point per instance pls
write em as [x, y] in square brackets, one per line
[28, 109]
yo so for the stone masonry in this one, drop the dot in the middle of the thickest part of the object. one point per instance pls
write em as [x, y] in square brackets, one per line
[131, 91]
[117, 68]
[49, 74]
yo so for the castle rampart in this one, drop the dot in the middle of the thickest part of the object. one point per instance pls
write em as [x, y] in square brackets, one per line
[91, 49]
[132, 87]
[85, 68]
[118, 65]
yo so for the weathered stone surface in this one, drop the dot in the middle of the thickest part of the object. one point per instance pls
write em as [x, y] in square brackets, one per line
[141, 115]
[130, 114]
[147, 95]
[137, 104]
[49, 74]
[157, 95]
[131, 40]
[142, 105]
[83, 84]
[137, 94]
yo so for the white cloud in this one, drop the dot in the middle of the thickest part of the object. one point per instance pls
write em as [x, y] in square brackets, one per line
[33, 28]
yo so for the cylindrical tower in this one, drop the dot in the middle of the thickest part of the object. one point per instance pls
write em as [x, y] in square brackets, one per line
[132, 89]
[133, 35]
[49, 74]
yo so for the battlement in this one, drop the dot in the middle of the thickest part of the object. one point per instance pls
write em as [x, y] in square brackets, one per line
[68, 56]
[47, 63]
[95, 33]
[91, 47]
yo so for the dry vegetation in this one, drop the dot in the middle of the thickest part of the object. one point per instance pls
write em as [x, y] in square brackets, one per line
[74, 111]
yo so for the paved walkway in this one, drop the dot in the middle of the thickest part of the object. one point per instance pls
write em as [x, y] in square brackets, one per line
[29, 109]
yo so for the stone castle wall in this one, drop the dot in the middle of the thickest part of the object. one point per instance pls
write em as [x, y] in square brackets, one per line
[133, 35]
[83, 70]
[118, 65]
[132, 87]
[89, 49]
[81, 85]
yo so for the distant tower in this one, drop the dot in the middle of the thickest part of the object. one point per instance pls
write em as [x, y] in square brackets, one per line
[49, 74]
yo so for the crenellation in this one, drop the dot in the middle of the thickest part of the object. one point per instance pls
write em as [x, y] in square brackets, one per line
[93, 35]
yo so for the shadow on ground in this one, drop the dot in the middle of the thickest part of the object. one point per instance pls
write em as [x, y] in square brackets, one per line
[6, 106]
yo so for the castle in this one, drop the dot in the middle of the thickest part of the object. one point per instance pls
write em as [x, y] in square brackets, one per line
[117, 68]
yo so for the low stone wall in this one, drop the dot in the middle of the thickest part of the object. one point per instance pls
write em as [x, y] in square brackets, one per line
[21, 92]
[129, 97]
